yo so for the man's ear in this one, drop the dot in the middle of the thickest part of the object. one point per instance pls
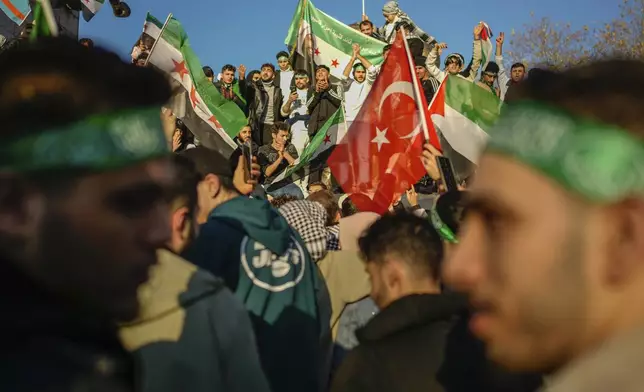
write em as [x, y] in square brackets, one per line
[180, 221]
[213, 185]
[21, 207]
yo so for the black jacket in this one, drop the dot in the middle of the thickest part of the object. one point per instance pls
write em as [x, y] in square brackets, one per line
[48, 345]
[256, 97]
[322, 105]
[421, 343]
[241, 104]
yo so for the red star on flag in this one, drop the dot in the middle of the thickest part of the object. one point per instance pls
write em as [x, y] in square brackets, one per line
[335, 63]
[317, 51]
[327, 139]
[193, 96]
[180, 68]
[213, 120]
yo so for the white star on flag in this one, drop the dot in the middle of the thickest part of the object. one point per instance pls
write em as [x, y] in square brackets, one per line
[381, 138]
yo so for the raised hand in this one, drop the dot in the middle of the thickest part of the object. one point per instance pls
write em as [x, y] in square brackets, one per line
[356, 50]
[429, 161]
[477, 30]
[500, 39]
[241, 69]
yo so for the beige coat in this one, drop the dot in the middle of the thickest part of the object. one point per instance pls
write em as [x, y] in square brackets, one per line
[616, 366]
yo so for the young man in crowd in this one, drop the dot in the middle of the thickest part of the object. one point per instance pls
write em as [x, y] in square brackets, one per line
[324, 101]
[367, 28]
[488, 77]
[430, 84]
[455, 62]
[79, 231]
[517, 71]
[284, 75]
[228, 86]
[552, 247]
[296, 111]
[264, 101]
[274, 158]
[188, 316]
[357, 88]
[210, 74]
[405, 347]
[261, 258]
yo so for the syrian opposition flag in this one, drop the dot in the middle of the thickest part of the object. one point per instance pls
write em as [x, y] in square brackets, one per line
[214, 120]
[318, 39]
[487, 46]
[463, 112]
[16, 10]
[90, 8]
[317, 150]
[380, 154]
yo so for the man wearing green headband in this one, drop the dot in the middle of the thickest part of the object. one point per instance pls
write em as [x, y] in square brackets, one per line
[84, 170]
[357, 88]
[552, 246]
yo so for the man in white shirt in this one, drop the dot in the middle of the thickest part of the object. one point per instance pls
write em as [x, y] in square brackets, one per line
[357, 88]
[296, 110]
[284, 75]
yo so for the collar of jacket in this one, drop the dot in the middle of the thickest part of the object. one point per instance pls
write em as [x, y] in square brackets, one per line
[412, 311]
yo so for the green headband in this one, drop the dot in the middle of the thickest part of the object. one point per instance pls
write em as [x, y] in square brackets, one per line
[600, 162]
[102, 142]
[282, 58]
[441, 228]
[359, 66]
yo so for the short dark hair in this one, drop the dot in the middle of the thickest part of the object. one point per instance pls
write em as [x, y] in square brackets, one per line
[209, 72]
[326, 199]
[228, 67]
[409, 238]
[208, 161]
[268, 65]
[280, 126]
[358, 202]
[185, 183]
[301, 71]
[96, 82]
[251, 73]
[86, 41]
[517, 65]
[317, 183]
[322, 66]
[281, 54]
[279, 201]
[386, 48]
[366, 23]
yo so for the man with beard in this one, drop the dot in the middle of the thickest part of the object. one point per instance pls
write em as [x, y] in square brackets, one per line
[264, 101]
[356, 89]
[552, 246]
[296, 111]
[84, 172]
[488, 77]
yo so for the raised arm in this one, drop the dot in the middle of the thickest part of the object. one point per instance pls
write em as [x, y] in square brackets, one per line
[430, 62]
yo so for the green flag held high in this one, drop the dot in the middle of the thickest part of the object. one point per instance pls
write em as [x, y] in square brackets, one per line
[318, 39]
[317, 150]
[173, 55]
[44, 21]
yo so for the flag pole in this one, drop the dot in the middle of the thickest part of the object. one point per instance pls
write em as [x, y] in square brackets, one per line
[414, 79]
[46, 9]
[364, 11]
[154, 45]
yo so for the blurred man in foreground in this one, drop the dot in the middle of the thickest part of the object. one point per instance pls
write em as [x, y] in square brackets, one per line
[552, 248]
[84, 171]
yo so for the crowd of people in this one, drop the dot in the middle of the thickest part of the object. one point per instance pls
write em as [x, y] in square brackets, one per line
[134, 258]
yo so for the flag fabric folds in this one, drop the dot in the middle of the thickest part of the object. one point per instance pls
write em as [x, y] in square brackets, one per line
[214, 120]
[380, 154]
[316, 38]
[16, 10]
[90, 8]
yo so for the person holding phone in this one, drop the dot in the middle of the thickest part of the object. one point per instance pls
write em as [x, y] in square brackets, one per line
[296, 111]
[276, 157]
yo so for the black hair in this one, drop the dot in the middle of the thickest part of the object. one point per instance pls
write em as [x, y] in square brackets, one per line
[366, 23]
[281, 54]
[357, 202]
[322, 66]
[409, 238]
[517, 65]
[251, 73]
[450, 208]
[268, 65]
[301, 71]
[187, 137]
[228, 67]
[279, 201]
[88, 82]
[185, 182]
[208, 72]
[280, 126]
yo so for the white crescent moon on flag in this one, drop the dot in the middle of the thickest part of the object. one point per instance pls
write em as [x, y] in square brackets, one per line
[401, 87]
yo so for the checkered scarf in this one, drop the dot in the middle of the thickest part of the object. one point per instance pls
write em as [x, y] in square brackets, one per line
[333, 237]
[308, 219]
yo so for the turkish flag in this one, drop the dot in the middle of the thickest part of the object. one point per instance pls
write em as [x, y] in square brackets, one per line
[380, 154]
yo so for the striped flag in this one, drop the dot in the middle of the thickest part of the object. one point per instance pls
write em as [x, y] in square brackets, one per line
[214, 120]
[318, 39]
[90, 8]
[487, 46]
[317, 150]
[463, 112]
[16, 10]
